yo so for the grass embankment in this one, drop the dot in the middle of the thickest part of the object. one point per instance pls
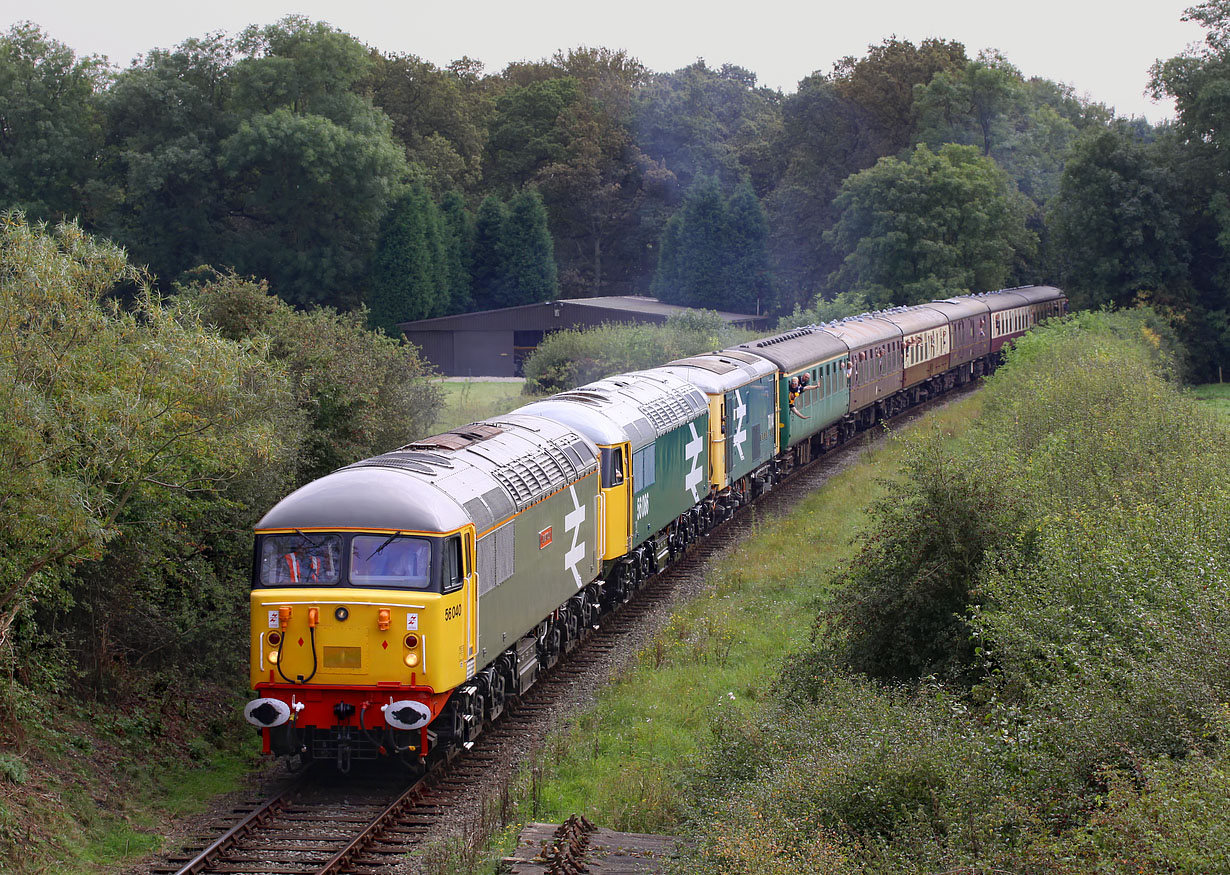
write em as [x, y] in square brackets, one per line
[624, 762]
[94, 789]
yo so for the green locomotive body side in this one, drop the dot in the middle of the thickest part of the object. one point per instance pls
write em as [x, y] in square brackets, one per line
[669, 476]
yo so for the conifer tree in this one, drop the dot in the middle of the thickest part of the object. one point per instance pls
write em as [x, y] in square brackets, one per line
[530, 273]
[409, 278]
[487, 273]
[457, 230]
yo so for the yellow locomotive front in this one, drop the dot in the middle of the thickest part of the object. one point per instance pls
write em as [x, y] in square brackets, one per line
[358, 635]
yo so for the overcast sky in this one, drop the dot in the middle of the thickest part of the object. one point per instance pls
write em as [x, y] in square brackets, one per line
[1103, 48]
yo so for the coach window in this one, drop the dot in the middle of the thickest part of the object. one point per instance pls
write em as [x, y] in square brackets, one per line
[612, 466]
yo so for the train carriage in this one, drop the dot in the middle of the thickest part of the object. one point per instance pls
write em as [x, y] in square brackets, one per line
[410, 588]
[1015, 311]
[652, 431]
[824, 359]
[740, 388]
[969, 323]
[926, 349]
[875, 366]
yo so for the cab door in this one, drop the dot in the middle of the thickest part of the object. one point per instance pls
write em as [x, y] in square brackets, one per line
[458, 573]
[617, 497]
[470, 576]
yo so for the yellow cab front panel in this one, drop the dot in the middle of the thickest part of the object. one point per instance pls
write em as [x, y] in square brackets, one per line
[316, 648]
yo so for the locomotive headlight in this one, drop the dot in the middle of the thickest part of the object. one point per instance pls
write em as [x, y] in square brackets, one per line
[273, 657]
[411, 660]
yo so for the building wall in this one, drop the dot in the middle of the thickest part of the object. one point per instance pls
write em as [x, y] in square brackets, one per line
[483, 354]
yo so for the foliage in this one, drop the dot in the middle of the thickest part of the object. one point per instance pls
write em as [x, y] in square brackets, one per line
[358, 392]
[900, 608]
[940, 224]
[566, 359]
[820, 311]
[111, 410]
[714, 252]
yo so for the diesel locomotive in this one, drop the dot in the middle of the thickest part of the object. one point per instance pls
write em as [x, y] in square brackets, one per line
[399, 602]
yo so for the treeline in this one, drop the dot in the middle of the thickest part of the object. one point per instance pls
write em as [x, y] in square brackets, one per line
[142, 438]
[343, 175]
[1022, 669]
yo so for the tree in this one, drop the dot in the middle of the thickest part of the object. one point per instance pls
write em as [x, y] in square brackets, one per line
[50, 133]
[165, 118]
[106, 406]
[528, 130]
[488, 254]
[457, 230]
[714, 252]
[882, 85]
[939, 224]
[1115, 223]
[409, 277]
[699, 121]
[529, 254]
[438, 115]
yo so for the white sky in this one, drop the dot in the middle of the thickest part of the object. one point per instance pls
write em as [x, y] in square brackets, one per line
[1103, 48]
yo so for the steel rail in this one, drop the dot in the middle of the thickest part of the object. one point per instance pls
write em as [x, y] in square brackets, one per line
[372, 831]
[259, 816]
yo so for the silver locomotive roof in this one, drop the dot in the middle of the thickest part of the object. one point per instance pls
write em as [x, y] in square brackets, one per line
[718, 372]
[482, 473]
[638, 407]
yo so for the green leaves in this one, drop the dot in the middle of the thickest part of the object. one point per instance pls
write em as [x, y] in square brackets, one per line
[940, 224]
[107, 404]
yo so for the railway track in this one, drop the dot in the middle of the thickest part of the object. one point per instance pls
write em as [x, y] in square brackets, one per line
[319, 823]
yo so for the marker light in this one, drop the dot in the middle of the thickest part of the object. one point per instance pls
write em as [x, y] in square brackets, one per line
[411, 659]
[275, 638]
[273, 657]
[412, 641]
[383, 619]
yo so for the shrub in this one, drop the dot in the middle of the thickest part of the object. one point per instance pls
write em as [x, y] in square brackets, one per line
[567, 359]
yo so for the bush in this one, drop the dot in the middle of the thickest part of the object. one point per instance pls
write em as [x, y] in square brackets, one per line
[567, 359]
[1069, 564]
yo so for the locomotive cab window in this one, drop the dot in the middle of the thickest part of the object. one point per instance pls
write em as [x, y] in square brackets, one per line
[390, 561]
[299, 559]
[451, 565]
[612, 466]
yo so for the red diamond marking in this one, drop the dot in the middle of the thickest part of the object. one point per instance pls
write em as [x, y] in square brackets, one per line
[385, 645]
[300, 642]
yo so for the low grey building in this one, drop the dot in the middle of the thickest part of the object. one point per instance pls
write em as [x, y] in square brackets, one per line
[495, 343]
